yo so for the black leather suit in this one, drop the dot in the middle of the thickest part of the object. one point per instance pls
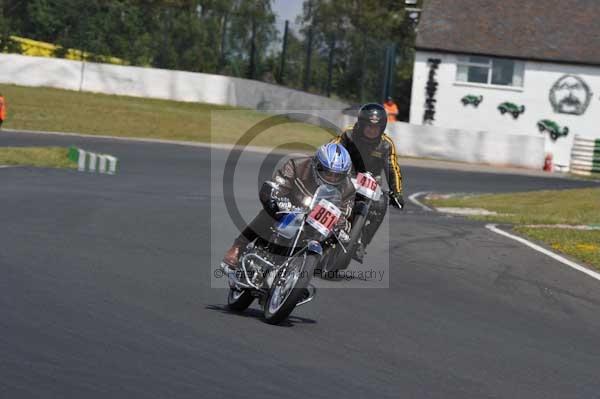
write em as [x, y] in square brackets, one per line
[376, 157]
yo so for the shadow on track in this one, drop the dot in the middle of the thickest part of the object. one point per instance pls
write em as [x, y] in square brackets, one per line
[258, 314]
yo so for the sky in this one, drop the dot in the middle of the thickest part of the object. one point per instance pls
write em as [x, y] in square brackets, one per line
[286, 9]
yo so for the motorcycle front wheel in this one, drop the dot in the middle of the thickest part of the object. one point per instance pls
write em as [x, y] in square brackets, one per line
[289, 287]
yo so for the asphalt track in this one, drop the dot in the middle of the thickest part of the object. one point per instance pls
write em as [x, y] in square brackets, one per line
[105, 291]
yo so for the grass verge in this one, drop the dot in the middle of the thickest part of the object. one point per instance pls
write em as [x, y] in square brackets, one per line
[578, 206]
[572, 207]
[583, 245]
[46, 157]
[38, 108]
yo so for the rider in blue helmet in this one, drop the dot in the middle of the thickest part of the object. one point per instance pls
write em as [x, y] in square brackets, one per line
[332, 163]
[292, 186]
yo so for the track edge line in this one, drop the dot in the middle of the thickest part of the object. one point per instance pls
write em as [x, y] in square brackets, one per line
[493, 227]
[414, 200]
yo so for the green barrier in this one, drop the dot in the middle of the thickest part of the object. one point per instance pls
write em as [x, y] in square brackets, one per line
[73, 154]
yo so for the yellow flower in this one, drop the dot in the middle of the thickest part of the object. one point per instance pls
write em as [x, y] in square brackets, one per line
[588, 247]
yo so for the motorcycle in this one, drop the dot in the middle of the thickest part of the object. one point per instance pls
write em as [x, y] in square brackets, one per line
[278, 271]
[339, 254]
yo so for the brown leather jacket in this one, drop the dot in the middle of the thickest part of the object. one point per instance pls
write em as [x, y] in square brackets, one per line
[296, 180]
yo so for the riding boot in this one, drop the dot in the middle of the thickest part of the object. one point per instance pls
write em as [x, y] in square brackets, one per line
[232, 256]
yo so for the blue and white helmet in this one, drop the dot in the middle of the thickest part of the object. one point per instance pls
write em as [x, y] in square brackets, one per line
[332, 163]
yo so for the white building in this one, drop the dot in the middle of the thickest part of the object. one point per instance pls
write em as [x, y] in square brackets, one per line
[527, 67]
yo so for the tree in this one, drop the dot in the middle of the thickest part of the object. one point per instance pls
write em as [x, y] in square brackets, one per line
[349, 39]
[248, 46]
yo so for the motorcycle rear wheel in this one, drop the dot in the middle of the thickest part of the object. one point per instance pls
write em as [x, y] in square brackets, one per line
[340, 260]
[335, 259]
[239, 300]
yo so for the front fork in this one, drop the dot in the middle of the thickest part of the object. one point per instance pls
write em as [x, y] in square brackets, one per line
[313, 247]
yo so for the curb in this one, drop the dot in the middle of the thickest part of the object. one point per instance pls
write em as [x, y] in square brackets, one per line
[585, 156]
[413, 198]
[91, 162]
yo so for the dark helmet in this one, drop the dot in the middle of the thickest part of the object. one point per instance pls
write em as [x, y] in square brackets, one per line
[368, 115]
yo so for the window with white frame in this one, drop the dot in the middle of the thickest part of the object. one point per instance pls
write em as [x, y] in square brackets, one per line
[490, 71]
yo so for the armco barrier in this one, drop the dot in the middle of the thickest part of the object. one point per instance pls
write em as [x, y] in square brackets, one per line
[585, 156]
[526, 151]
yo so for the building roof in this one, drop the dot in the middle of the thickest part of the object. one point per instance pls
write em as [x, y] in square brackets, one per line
[566, 31]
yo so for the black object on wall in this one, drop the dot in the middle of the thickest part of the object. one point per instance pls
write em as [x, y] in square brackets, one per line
[430, 91]
[570, 95]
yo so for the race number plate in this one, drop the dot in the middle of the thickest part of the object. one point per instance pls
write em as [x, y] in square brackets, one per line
[324, 216]
[367, 185]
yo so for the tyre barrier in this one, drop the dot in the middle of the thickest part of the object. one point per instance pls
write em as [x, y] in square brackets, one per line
[92, 162]
[585, 156]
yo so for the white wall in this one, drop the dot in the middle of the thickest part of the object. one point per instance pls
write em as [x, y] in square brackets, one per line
[35, 71]
[534, 95]
[526, 151]
[163, 84]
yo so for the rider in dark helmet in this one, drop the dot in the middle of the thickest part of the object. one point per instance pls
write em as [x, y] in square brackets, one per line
[373, 151]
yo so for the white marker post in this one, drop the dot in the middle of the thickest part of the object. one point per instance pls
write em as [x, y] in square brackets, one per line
[112, 164]
[81, 161]
[102, 163]
[93, 160]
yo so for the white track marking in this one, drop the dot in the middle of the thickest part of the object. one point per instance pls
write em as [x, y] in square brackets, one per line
[466, 211]
[414, 200]
[229, 147]
[551, 254]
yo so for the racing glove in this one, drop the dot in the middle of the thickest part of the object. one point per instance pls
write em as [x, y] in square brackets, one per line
[272, 202]
[342, 229]
[283, 204]
[343, 224]
[396, 200]
[277, 204]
